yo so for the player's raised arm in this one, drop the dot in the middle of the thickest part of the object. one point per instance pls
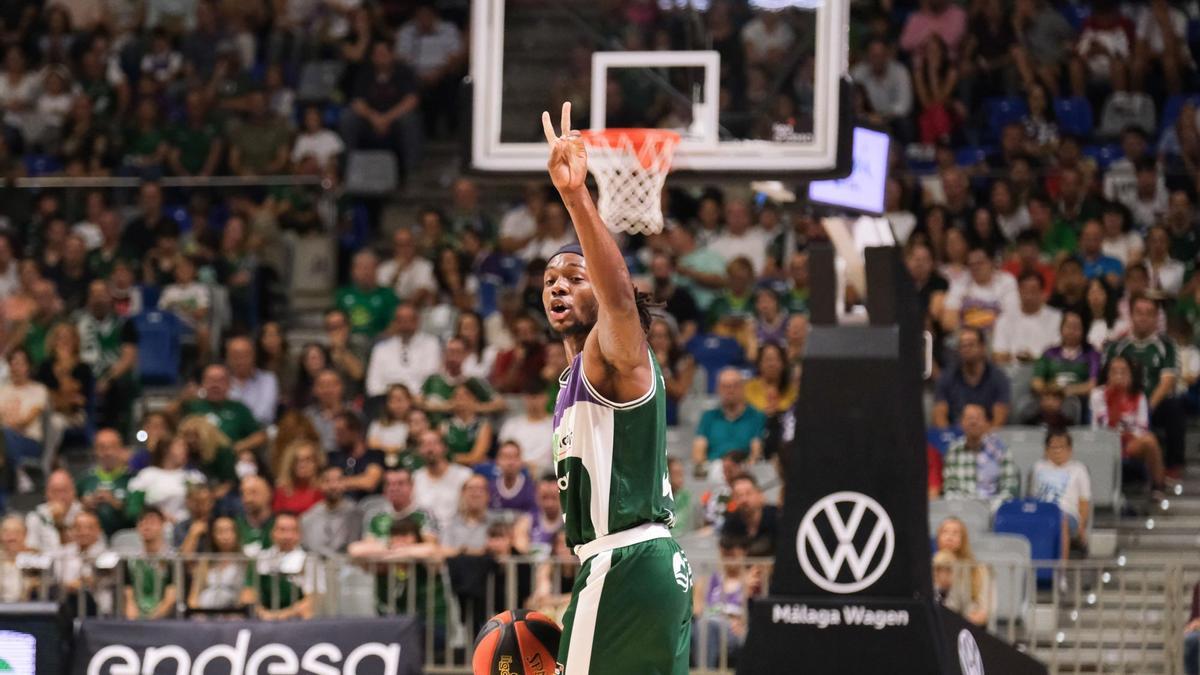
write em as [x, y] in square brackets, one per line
[619, 331]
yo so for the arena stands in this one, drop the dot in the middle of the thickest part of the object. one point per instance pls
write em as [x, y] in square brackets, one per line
[251, 307]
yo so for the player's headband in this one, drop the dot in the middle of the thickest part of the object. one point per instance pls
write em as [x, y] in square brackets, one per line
[569, 248]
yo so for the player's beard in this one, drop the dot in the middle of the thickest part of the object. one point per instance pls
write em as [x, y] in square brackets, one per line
[577, 328]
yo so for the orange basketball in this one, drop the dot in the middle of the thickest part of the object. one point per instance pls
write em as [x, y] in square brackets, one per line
[519, 642]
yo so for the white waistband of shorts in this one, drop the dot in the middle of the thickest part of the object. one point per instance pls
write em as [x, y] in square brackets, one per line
[634, 535]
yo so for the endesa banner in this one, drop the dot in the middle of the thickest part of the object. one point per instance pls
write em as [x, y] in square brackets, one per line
[318, 647]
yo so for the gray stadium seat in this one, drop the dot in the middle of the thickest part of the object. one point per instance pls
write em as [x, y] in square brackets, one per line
[1026, 445]
[1010, 557]
[976, 514]
[371, 172]
[126, 542]
[319, 80]
[1100, 452]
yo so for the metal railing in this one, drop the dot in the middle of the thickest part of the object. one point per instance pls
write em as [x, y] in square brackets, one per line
[1074, 616]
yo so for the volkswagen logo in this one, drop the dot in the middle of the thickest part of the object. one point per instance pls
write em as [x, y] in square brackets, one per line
[969, 657]
[859, 526]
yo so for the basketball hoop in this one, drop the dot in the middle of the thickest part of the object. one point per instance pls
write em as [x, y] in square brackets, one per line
[631, 166]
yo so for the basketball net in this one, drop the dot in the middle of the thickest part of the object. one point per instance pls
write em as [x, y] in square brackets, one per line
[631, 166]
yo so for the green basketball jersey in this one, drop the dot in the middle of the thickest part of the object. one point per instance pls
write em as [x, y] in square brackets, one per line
[611, 458]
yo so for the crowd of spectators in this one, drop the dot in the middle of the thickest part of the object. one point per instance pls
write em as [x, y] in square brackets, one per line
[1059, 282]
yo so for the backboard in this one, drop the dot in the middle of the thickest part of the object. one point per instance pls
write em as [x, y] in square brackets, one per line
[752, 86]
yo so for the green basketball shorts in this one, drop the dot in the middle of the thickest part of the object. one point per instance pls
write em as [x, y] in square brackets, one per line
[630, 613]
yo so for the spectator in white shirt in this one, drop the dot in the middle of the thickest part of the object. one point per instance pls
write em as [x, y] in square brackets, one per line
[188, 299]
[258, 389]
[1166, 273]
[409, 275]
[533, 429]
[767, 39]
[1162, 38]
[438, 484]
[49, 521]
[519, 225]
[982, 298]
[434, 49]
[1149, 199]
[1062, 480]
[22, 402]
[552, 233]
[407, 357]
[317, 142]
[741, 238]
[886, 81]
[1023, 335]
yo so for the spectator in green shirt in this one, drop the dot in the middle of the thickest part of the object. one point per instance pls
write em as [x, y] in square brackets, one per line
[259, 145]
[701, 270]
[468, 435]
[150, 581]
[104, 488]
[212, 401]
[1057, 237]
[735, 305]
[145, 141]
[1155, 356]
[439, 387]
[368, 305]
[255, 520]
[195, 145]
[109, 345]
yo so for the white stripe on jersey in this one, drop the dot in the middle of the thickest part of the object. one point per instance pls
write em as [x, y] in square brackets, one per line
[590, 429]
[587, 608]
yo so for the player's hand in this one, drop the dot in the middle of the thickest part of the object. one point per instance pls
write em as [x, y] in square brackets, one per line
[568, 156]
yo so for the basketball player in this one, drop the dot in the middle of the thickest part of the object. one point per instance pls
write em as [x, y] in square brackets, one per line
[630, 610]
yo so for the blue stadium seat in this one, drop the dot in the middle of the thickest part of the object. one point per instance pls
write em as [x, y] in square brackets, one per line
[158, 347]
[1074, 115]
[971, 155]
[1172, 106]
[1039, 522]
[1076, 14]
[42, 165]
[150, 295]
[1104, 154]
[942, 439]
[1004, 110]
[489, 288]
[714, 353]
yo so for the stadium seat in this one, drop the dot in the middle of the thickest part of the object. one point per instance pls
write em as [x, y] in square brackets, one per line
[1003, 110]
[1026, 445]
[1076, 13]
[1100, 451]
[976, 514]
[942, 439]
[371, 173]
[972, 155]
[159, 336]
[714, 353]
[1104, 154]
[150, 296]
[1009, 556]
[42, 165]
[1039, 522]
[319, 80]
[1172, 107]
[1074, 115]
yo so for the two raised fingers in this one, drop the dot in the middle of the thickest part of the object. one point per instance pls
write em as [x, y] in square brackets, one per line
[548, 126]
